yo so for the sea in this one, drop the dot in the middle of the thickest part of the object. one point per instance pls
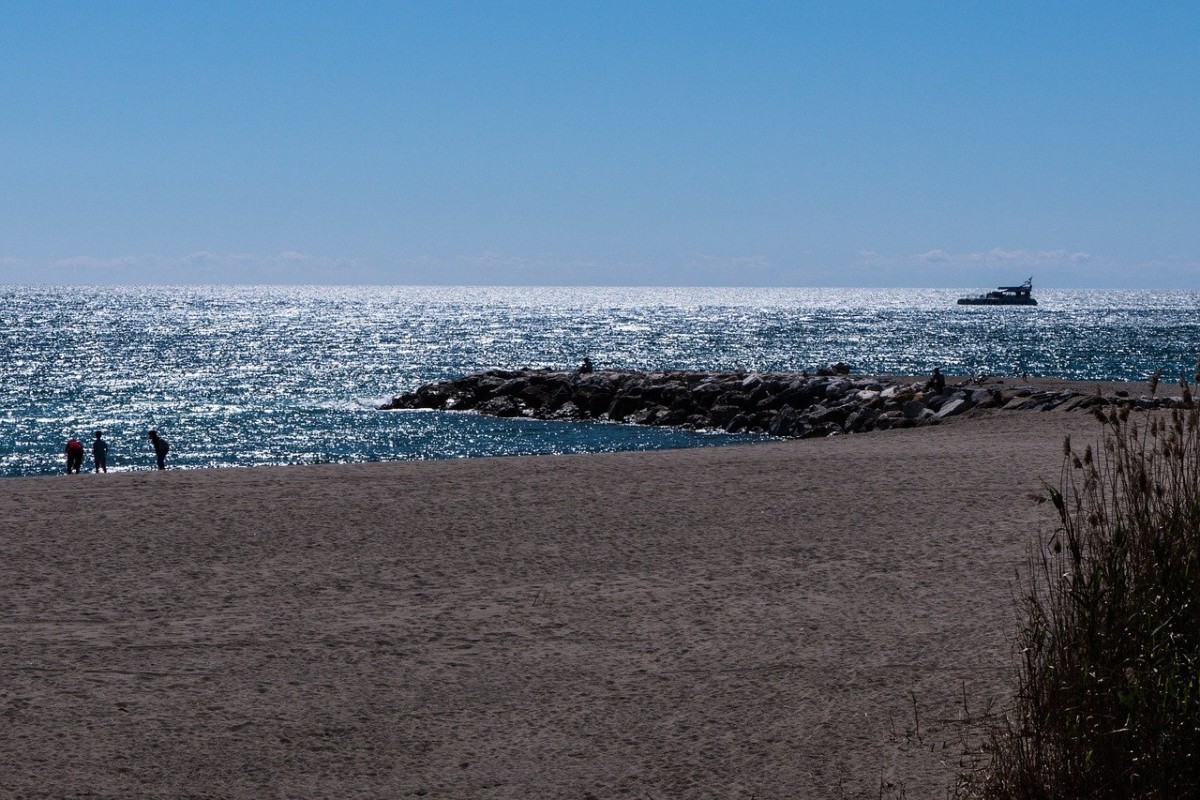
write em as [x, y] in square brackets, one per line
[248, 376]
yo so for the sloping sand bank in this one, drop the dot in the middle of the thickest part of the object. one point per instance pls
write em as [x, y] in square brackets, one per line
[734, 622]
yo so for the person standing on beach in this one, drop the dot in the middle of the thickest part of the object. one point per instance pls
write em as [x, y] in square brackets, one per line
[161, 448]
[74, 451]
[100, 453]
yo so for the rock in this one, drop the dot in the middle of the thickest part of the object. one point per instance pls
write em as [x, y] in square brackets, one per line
[890, 419]
[510, 387]
[785, 422]
[913, 409]
[675, 395]
[671, 417]
[722, 415]
[593, 394]
[644, 416]
[501, 407]
[985, 398]
[861, 420]
[1072, 403]
[836, 390]
[738, 424]
[625, 404]
[956, 405]
[566, 411]
[798, 394]
[817, 414]
[735, 398]
[706, 393]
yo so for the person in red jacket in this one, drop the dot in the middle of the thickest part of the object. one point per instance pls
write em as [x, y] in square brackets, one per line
[74, 451]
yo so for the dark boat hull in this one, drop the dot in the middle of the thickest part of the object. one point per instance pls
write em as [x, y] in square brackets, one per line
[987, 301]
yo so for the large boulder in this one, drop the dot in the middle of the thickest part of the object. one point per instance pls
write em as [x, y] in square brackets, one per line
[914, 409]
[705, 394]
[646, 415]
[435, 396]
[511, 387]
[671, 417]
[985, 398]
[955, 405]
[798, 394]
[675, 394]
[785, 422]
[836, 390]
[739, 424]
[594, 393]
[721, 415]
[860, 420]
[485, 387]
[734, 398]
[501, 407]
[565, 411]
[626, 403]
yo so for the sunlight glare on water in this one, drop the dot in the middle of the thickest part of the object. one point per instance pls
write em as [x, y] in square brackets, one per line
[242, 376]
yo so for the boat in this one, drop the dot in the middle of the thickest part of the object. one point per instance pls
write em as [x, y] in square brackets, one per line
[1003, 296]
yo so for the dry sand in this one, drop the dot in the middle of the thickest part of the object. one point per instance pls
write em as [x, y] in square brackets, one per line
[752, 621]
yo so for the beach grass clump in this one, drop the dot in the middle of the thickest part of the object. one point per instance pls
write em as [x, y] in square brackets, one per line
[1108, 701]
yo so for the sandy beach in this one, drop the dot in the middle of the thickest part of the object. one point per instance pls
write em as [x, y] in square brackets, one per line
[793, 619]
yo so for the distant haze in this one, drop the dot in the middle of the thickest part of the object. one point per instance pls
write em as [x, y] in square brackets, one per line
[838, 143]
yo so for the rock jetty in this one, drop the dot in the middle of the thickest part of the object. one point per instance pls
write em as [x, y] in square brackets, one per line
[779, 404]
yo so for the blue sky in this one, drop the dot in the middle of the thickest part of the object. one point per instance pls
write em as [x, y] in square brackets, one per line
[960, 144]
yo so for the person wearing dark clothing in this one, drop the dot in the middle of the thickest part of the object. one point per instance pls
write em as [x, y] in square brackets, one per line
[100, 453]
[74, 451]
[937, 381]
[161, 448]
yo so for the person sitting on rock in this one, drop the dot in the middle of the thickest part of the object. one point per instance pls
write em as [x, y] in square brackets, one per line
[586, 367]
[937, 381]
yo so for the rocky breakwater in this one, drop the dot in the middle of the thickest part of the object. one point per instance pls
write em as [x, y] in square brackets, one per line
[779, 404]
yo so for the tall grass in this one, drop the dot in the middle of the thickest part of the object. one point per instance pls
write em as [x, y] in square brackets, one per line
[1108, 704]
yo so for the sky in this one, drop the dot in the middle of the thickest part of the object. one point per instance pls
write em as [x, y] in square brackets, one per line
[619, 143]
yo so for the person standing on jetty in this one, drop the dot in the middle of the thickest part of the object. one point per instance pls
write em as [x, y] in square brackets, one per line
[74, 451]
[100, 453]
[161, 448]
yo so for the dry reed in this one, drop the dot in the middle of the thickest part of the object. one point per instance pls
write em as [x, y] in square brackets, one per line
[1108, 702]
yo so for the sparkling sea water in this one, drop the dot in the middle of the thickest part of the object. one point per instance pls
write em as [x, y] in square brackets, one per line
[244, 376]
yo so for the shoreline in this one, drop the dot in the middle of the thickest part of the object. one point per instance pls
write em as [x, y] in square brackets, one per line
[1109, 389]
